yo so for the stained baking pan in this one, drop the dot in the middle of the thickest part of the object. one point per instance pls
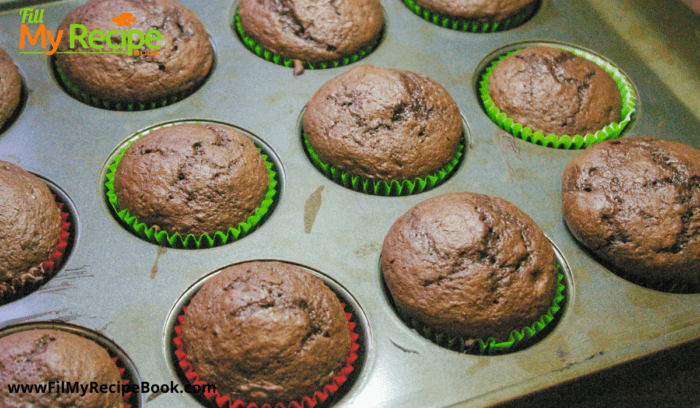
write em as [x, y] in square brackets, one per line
[116, 284]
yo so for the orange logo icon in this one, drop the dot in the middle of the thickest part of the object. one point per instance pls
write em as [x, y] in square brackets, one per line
[124, 19]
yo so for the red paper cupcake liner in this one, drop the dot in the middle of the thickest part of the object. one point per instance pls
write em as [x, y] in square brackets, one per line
[30, 280]
[127, 396]
[224, 401]
[125, 381]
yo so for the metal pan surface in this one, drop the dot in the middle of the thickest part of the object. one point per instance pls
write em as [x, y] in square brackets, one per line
[126, 288]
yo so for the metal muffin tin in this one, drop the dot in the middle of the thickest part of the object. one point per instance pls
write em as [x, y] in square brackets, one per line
[126, 288]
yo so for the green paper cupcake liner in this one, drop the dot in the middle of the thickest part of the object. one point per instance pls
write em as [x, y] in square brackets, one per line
[98, 102]
[518, 339]
[289, 62]
[381, 187]
[611, 131]
[471, 26]
[190, 241]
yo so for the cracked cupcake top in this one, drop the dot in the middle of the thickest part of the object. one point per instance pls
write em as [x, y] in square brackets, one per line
[555, 91]
[10, 87]
[266, 332]
[383, 124]
[636, 203]
[192, 179]
[312, 30]
[40, 356]
[480, 10]
[469, 265]
[182, 63]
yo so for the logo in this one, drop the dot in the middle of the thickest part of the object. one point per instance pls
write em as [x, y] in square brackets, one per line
[125, 19]
[93, 42]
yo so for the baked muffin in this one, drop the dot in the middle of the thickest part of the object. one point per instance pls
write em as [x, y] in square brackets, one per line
[635, 202]
[10, 88]
[30, 223]
[383, 124]
[183, 61]
[480, 11]
[266, 332]
[191, 179]
[554, 91]
[312, 30]
[469, 265]
[41, 356]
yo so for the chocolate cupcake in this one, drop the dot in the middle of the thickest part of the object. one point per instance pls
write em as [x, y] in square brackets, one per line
[30, 228]
[56, 357]
[557, 96]
[385, 127]
[124, 81]
[188, 181]
[266, 332]
[10, 88]
[475, 15]
[635, 202]
[470, 266]
[319, 33]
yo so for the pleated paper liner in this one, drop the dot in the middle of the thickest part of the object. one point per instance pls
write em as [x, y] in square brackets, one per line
[381, 187]
[611, 131]
[38, 275]
[518, 340]
[472, 26]
[215, 399]
[125, 381]
[289, 62]
[190, 241]
[129, 402]
[99, 102]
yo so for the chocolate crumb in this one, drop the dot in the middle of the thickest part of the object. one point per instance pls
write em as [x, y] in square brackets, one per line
[298, 68]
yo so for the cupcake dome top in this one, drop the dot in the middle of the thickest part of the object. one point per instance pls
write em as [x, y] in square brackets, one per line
[479, 10]
[469, 265]
[40, 356]
[10, 87]
[635, 202]
[192, 179]
[182, 62]
[30, 221]
[554, 91]
[383, 124]
[311, 30]
[266, 332]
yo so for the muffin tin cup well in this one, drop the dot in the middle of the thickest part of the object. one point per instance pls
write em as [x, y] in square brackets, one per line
[472, 26]
[518, 339]
[341, 384]
[98, 102]
[268, 55]
[392, 188]
[190, 241]
[611, 131]
[109, 284]
[40, 274]
[127, 369]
